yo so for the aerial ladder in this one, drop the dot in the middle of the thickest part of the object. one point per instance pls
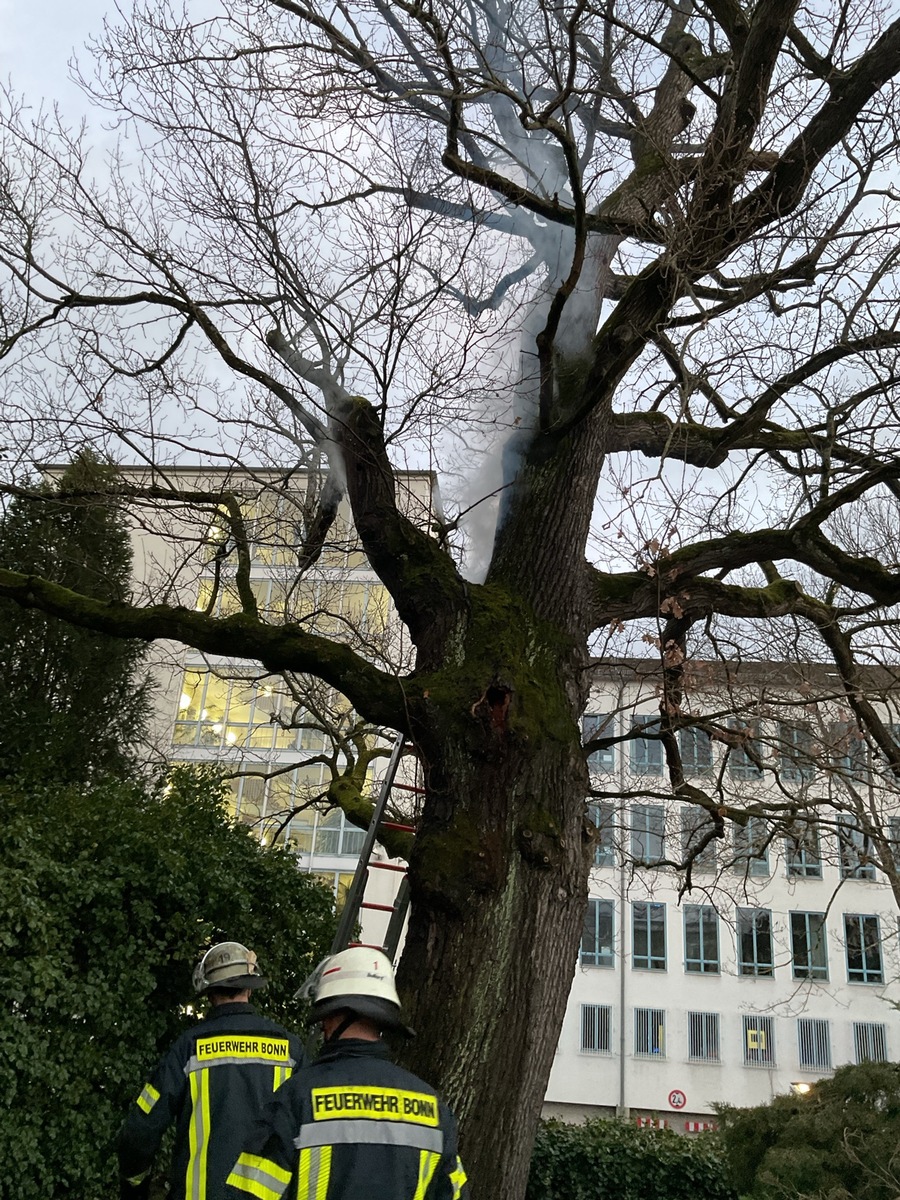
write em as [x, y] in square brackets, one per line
[355, 903]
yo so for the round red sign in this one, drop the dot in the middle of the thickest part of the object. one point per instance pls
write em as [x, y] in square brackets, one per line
[677, 1099]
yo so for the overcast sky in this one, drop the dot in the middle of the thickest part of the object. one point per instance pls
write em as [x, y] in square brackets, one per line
[37, 38]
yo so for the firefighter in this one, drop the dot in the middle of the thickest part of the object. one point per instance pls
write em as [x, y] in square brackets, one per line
[213, 1083]
[352, 1126]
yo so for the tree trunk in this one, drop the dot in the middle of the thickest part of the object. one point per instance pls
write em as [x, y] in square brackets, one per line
[498, 879]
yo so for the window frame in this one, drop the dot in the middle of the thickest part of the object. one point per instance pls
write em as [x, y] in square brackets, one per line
[600, 762]
[815, 972]
[814, 1044]
[875, 1031]
[755, 967]
[864, 973]
[761, 1029]
[602, 815]
[593, 929]
[597, 1018]
[650, 1022]
[648, 831]
[648, 920]
[803, 852]
[702, 963]
[704, 1028]
[646, 754]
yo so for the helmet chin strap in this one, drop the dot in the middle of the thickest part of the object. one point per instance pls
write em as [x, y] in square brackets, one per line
[339, 1030]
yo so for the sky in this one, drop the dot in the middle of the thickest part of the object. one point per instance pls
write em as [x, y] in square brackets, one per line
[37, 39]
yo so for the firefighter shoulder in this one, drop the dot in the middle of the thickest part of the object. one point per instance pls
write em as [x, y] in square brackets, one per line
[353, 1125]
[213, 1083]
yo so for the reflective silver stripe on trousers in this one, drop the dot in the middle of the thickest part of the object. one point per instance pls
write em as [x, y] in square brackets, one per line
[256, 1175]
[384, 1133]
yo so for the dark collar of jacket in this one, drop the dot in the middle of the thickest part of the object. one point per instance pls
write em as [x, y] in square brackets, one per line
[229, 1010]
[353, 1048]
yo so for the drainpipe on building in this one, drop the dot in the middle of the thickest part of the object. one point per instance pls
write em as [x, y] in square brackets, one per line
[622, 1109]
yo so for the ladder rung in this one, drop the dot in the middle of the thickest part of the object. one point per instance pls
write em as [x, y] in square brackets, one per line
[396, 825]
[408, 787]
[387, 866]
[377, 907]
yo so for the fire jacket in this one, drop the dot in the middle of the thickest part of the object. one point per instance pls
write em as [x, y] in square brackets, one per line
[214, 1083]
[353, 1126]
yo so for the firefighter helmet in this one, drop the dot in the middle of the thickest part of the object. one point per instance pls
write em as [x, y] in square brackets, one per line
[359, 980]
[227, 965]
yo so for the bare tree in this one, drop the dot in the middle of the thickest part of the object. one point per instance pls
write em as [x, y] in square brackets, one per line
[637, 257]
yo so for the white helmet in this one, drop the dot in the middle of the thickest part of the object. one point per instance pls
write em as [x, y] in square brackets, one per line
[227, 965]
[359, 980]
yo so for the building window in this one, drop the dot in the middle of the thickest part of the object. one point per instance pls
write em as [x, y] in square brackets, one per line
[596, 1028]
[703, 1037]
[648, 833]
[815, 1044]
[339, 882]
[224, 714]
[849, 751]
[603, 816]
[696, 824]
[754, 930]
[797, 757]
[597, 947]
[808, 946]
[751, 848]
[855, 848]
[870, 1041]
[743, 759]
[701, 939]
[646, 752]
[649, 1032]
[759, 1042]
[696, 750]
[648, 936]
[595, 725]
[801, 852]
[863, 941]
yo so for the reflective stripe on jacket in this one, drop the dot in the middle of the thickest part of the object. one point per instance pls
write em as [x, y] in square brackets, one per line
[214, 1083]
[353, 1126]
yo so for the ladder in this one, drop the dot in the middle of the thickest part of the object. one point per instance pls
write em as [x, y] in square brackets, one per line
[355, 901]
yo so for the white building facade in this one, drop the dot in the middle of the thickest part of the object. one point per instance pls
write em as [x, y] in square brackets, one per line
[780, 963]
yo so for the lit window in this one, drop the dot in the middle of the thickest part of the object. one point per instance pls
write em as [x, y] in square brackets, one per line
[649, 1032]
[597, 946]
[754, 936]
[759, 1041]
[701, 939]
[863, 945]
[808, 946]
[596, 1021]
[648, 936]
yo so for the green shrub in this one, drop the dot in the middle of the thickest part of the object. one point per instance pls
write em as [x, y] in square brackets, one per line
[611, 1160]
[106, 894]
[840, 1141]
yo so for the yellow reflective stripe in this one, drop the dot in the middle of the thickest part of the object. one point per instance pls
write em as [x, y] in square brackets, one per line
[279, 1076]
[458, 1177]
[147, 1098]
[198, 1139]
[324, 1172]
[314, 1173]
[428, 1162]
[259, 1177]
